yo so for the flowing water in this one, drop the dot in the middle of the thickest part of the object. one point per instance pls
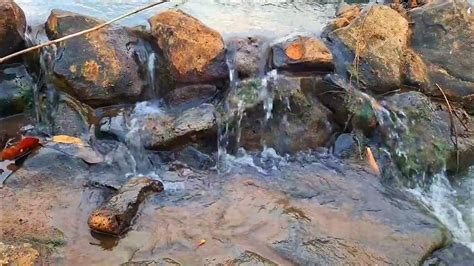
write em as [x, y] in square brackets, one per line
[452, 204]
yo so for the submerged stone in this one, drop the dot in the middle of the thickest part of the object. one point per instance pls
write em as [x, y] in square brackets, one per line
[12, 28]
[71, 117]
[195, 52]
[100, 68]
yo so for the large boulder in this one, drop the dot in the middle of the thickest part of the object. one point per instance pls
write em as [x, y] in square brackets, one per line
[100, 68]
[371, 49]
[16, 90]
[195, 52]
[301, 52]
[12, 28]
[442, 35]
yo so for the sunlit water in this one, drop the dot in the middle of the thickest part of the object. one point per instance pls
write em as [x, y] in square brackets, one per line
[228, 17]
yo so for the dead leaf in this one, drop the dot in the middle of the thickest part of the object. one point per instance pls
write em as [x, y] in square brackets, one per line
[373, 164]
[202, 242]
[68, 140]
[295, 51]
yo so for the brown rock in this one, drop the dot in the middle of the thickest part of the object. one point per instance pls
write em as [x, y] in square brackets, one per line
[196, 53]
[250, 55]
[23, 255]
[98, 68]
[378, 37]
[116, 215]
[191, 94]
[301, 53]
[12, 28]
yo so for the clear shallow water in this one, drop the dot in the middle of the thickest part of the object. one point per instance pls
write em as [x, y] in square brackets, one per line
[228, 17]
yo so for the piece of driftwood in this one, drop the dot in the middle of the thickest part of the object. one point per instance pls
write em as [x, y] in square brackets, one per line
[116, 215]
[67, 37]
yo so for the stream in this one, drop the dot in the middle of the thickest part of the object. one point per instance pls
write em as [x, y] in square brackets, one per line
[229, 201]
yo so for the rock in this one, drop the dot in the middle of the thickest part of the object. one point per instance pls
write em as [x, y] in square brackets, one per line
[427, 142]
[18, 255]
[12, 28]
[442, 35]
[345, 146]
[106, 71]
[196, 53]
[280, 116]
[344, 16]
[250, 258]
[195, 158]
[116, 215]
[191, 94]
[16, 90]
[455, 254]
[71, 117]
[250, 55]
[301, 52]
[379, 38]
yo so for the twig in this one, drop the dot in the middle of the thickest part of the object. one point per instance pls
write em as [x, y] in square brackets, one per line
[3, 59]
[453, 127]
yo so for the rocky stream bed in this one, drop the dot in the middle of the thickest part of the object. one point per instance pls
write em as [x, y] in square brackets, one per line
[349, 143]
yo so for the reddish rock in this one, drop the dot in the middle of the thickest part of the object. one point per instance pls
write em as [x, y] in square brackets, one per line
[250, 56]
[12, 28]
[301, 53]
[196, 53]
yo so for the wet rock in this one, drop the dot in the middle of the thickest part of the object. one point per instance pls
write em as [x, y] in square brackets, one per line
[301, 52]
[424, 134]
[163, 130]
[378, 38]
[196, 53]
[345, 146]
[191, 94]
[442, 35]
[455, 254]
[106, 70]
[18, 255]
[250, 258]
[71, 117]
[12, 28]
[280, 116]
[250, 55]
[195, 158]
[16, 90]
[116, 215]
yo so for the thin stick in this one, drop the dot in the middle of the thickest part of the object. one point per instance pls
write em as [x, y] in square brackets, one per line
[98, 27]
[453, 127]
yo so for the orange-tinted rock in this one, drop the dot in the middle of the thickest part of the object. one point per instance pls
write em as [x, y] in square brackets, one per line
[196, 53]
[301, 53]
[99, 68]
[12, 28]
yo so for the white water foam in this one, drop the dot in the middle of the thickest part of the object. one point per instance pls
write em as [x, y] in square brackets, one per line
[440, 199]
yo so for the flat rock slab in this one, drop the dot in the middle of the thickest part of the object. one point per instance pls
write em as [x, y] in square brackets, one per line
[326, 212]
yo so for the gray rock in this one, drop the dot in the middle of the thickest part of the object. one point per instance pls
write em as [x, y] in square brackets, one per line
[71, 117]
[16, 90]
[454, 255]
[442, 35]
[345, 146]
[195, 159]
[250, 55]
[191, 94]
[12, 28]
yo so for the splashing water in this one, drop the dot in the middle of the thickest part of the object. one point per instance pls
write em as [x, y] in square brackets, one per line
[440, 199]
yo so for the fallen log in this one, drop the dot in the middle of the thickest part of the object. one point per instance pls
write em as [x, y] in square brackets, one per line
[116, 215]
